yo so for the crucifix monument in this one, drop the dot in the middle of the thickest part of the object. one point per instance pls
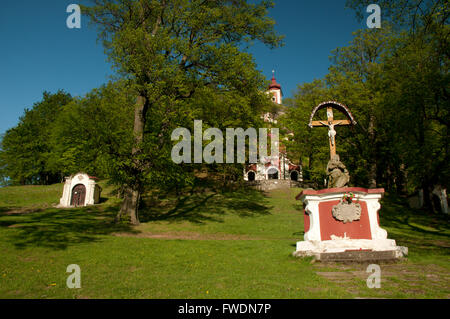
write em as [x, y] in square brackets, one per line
[342, 223]
[331, 122]
[338, 175]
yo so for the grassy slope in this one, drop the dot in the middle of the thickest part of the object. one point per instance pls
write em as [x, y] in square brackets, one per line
[208, 245]
[29, 196]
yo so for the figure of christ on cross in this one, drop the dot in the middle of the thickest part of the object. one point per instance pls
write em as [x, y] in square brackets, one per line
[331, 123]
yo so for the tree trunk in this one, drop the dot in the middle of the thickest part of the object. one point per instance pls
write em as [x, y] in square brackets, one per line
[129, 206]
[132, 193]
[373, 175]
[372, 159]
[310, 161]
[402, 180]
[427, 197]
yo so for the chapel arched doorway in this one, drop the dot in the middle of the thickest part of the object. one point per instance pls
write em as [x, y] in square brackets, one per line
[78, 195]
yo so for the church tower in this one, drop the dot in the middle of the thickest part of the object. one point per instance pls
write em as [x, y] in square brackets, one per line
[277, 167]
[275, 89]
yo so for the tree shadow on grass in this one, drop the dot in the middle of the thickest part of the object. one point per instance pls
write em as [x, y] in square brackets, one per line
[395, 213]
[205, 206]
[59, 228]
[420, 231]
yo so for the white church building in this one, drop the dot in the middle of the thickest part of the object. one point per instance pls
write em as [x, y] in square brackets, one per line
[274, 167]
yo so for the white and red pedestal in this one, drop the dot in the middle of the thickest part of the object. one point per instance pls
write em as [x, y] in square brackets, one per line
[326, 235]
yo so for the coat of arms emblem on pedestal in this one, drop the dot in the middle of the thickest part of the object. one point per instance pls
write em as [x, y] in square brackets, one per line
[347, 211]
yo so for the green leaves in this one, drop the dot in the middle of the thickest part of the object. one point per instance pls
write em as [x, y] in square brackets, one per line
[185, 60]
[178, 45]
[395, 83]
[91, 130]
[26, 151]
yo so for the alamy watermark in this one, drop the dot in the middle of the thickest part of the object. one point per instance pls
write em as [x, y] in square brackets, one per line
[374, 280]
[373, 20]
[213, 152]
[74, 279]
[74, 19]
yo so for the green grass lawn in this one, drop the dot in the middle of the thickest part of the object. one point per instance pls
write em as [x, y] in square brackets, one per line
[206, 245]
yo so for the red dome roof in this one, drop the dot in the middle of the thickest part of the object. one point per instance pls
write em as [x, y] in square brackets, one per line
[274, 84]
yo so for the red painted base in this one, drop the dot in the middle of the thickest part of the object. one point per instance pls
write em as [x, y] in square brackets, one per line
[358, 229]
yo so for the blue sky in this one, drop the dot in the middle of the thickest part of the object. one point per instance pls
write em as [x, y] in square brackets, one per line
[38, 52]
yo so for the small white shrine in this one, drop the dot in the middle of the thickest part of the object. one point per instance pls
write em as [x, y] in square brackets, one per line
[80, 190]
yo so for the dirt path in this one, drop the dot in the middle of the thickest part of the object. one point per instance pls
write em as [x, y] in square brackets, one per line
[188, 236]
[397, 279]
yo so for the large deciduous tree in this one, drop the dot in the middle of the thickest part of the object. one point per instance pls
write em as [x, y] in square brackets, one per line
[170, 49]
[354, 79]
[26, 149]
[91, 133]
[416, 104]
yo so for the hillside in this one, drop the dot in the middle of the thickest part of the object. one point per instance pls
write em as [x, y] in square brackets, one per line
[235, 244]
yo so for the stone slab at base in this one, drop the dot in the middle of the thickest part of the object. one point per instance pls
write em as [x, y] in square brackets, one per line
[346, 248]
[361, 256]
